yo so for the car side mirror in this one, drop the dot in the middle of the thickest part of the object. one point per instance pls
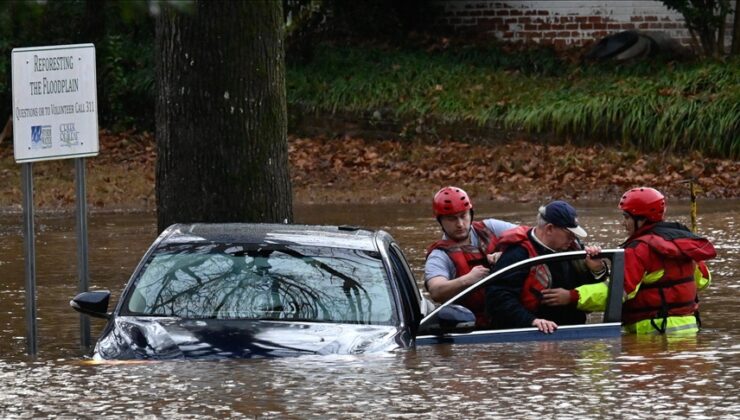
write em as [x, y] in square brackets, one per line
[450, 319]
[92, 303]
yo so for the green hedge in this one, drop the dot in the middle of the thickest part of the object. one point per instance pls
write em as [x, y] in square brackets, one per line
[654, 106]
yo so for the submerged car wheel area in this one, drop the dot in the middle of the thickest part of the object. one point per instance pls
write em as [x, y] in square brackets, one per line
[270, 290]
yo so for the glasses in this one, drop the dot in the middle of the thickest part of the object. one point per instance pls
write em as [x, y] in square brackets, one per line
[567, 231]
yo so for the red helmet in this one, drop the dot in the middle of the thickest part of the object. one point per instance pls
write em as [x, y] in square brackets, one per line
[644, 202]
[450, 200]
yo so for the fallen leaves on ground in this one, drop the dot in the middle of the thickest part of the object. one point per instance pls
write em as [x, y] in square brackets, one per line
[357, 170]
[375, 171]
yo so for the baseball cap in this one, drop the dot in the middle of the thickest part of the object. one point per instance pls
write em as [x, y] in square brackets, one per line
[562, 214]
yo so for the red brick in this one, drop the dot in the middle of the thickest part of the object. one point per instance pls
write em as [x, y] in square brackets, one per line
[587, 26]
[651, 18]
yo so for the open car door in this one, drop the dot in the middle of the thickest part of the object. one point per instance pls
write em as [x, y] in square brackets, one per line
[452, 323]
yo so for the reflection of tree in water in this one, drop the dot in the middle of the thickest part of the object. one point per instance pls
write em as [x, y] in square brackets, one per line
[284, 284]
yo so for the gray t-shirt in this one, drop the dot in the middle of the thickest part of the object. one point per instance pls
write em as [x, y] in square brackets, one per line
[439, 263]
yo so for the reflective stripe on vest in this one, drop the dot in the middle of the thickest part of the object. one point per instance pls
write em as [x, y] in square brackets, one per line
[678, 325]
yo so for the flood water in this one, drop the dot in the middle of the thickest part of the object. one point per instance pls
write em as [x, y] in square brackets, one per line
[626, 377]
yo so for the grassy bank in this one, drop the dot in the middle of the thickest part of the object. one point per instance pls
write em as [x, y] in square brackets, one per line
[654, 106]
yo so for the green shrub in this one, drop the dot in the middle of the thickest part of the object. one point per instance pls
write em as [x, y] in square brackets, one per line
[654, 105]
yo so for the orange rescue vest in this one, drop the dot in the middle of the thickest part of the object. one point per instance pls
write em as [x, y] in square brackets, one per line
[675, 292]
[465, 257]
[539, 276]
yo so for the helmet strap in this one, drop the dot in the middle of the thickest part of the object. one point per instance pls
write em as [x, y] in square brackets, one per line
[636, 219]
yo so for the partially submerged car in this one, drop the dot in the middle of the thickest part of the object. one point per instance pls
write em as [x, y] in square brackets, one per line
[267, 290]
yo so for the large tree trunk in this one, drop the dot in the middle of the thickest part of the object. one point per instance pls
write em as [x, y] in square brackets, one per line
[736, 30]
[221, 118]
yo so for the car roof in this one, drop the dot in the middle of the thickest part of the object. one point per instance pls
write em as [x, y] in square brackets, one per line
[276, 234]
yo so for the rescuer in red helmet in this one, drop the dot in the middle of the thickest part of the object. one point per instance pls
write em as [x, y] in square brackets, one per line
[464, 254]
[663, 270]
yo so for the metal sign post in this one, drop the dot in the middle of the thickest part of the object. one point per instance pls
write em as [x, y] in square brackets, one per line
[82, 246]
[27, 181]
[55, 116]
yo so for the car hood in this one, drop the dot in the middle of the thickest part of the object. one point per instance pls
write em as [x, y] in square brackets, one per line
[175, 338]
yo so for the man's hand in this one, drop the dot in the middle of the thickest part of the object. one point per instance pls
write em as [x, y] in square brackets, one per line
[547, 327]
[475, 274]
[594, 265]
[492, 258]
[556, 297]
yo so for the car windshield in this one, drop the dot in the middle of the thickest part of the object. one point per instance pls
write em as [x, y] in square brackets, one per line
[319, 284]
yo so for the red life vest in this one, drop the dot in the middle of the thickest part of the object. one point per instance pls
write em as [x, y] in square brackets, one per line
[465, 257]
[539, 276]
[679, 253]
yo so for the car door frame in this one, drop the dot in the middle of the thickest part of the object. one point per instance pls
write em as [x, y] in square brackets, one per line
[609, 327]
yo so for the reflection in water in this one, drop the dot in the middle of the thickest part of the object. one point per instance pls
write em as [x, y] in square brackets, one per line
[631, 377]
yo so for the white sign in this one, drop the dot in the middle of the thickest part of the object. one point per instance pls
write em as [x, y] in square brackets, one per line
[55, 102]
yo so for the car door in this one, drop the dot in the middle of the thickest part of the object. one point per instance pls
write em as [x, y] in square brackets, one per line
[430, 331]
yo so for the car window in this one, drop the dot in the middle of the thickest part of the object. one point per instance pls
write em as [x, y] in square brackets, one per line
[284, 283]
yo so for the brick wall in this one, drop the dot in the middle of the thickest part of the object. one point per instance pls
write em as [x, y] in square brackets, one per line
[561, 23]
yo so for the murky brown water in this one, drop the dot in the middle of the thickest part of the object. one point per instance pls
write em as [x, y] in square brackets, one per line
[623, 378]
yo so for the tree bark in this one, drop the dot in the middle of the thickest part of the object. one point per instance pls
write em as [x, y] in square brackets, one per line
[221, 116]
[735, 50]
